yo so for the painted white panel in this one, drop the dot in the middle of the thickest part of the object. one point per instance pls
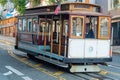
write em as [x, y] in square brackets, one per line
[76, 48]
[103, 48]
[90, 48]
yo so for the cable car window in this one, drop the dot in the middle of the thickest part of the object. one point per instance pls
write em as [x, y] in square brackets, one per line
[77, 27]
[104, 27]
[42, 26]
[29, 25]
[91, 27]
[65, 28]
[35, 25]
[24, 25]
[45, 26]
[48, 26]
[20, 24]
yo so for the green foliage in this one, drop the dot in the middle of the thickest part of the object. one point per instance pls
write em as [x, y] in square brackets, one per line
[19, 5]
[56, 1]
[3, 2]
[116, 3]
[35, 2]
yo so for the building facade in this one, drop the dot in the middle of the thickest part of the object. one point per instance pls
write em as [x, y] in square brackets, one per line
[8, 26]
[106, 5]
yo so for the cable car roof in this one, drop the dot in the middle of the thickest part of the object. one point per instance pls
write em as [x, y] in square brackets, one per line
[70, 12]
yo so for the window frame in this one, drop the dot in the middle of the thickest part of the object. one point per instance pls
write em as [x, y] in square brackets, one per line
[71, 27]
[99, 28]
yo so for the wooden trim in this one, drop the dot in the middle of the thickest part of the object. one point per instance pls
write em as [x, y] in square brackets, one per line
[72, 26]
[84, 9]
[109, 27]
[59, 49]
[45, 40]
[51, 49]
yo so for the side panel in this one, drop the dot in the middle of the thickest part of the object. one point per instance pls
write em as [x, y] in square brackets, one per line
[36, 50]
[76, 48]
[103, 49]
[90, 48]
[25, 37]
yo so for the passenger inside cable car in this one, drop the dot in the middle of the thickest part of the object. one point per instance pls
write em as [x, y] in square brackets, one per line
[91, 27]
[90, 34]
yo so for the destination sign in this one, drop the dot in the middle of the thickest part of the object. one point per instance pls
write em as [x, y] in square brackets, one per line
[81, 6]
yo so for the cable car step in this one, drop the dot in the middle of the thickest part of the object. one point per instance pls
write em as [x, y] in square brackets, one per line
[84, 68]
[50, 60]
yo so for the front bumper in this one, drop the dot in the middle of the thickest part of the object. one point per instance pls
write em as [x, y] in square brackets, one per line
[87, 60]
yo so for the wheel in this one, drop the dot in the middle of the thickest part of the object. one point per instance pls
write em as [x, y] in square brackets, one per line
[31, 56]
[16, 47]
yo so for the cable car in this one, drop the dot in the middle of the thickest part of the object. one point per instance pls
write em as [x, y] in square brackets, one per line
[76, 37]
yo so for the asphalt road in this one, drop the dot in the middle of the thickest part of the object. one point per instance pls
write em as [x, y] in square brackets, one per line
[15, 65]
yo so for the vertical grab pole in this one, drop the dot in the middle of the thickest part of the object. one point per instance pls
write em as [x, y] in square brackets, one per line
[66, 33]
[42, 31]
[59, 49]
[51, 49]
[45, 33]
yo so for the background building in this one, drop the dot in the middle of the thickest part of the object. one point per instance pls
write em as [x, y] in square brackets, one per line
[7, 10]
[112, 8]
[106, 5]
[85, 1]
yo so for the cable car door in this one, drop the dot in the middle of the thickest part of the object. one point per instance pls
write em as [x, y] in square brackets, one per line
[90, 37]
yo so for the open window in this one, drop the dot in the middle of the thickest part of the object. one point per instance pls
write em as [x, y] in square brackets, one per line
[24, 25]
[91, 27]
[45, 26]
[104, 28]
[77, 29]
[35, 24]
[29, 25]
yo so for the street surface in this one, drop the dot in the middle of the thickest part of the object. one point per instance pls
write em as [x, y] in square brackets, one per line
[15, 65]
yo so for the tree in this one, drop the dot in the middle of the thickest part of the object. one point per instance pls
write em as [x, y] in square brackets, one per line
[3, 2]
[116, 3]
[20, 4]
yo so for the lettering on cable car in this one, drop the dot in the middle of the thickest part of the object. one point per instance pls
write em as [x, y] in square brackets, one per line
[81, 6]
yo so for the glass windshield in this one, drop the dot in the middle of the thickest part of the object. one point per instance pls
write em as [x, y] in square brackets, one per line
[77, 25]
[104, 27]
